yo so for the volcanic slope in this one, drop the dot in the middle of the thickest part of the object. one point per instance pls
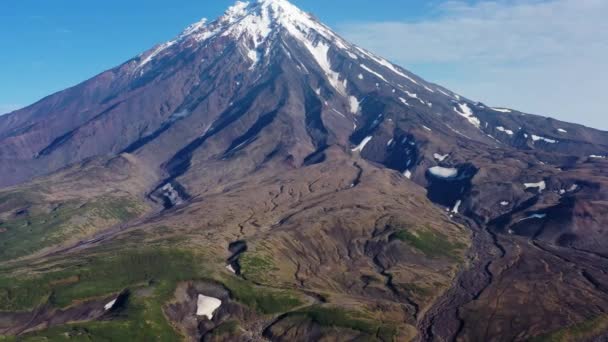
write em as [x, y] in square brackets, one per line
[316, 189]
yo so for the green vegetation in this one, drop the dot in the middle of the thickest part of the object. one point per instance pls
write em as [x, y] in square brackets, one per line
[336, 317]
[264, 300]
[160, 270]
[36, 226]
[145, 322]
[97, 276]
[431, 244]
[578, 332]
[256, 267]
[418, 290]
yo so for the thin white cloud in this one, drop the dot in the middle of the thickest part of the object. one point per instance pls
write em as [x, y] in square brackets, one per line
[547, 57]
[7, 108]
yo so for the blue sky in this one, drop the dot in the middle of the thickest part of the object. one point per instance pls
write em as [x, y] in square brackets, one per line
[539, 56]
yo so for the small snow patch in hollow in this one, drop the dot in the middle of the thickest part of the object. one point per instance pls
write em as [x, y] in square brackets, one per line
[440, 157]
[465, 111]
[443, 172]
[373, 73]
[595, 156]
[574, 187]
[561, 130]
[407, 174]
[412, 95]
[534, 216]
[502, 110]
[540, 185]
[404, 101]
[230, 269]
[354, 104]
[360, 76]
[504, 203]
[547, 140]
[351, 55]
[390, 142]
[206, 306]
[428, 129]
[502, 129]
[110, 305]
[457, 207]
[361, 146]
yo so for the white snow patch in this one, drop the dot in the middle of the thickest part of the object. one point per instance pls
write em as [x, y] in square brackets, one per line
[412, 95]
[597, 156]
[535, 216]
[374, 73]
[360, 76]
[179, 115]
[354, 104]
[504, 203]
[408, 174]
[404, 101]
[547, 140]
[206, 306]
[502, 129]
[443, 172]
[320, 54]
[457, 207]
[429, 89]
[440, 157]
[171, 194]
[254, 55]
[230, 269]
[465, 111]
[362, 144]
[502, 110]
[387, 65]
[351, 55]
[561, 130]
[428, 129]
[390, 142]
[162, 47]
[573, 188]
[110, 305]
[540, 185]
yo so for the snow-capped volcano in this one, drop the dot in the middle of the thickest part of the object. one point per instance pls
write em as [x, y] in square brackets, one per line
[343, 179]
[264, 25]
[264, 79]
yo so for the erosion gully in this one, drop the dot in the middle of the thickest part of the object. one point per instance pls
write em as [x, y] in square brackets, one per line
[442, 321]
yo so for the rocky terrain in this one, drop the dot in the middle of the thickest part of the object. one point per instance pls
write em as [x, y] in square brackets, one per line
[316, 190]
